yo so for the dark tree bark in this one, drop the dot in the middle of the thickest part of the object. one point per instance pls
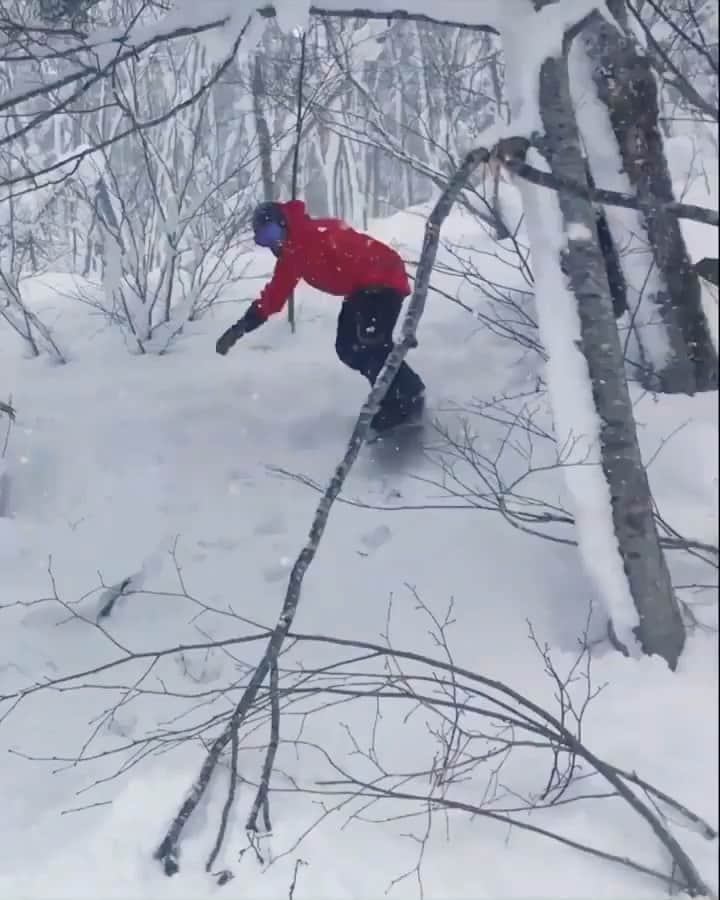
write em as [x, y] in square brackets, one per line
[709, 269]
[626, 84]
[660, 630]
[613, 266]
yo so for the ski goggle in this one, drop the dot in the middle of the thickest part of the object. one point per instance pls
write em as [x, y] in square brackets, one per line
[268, 234]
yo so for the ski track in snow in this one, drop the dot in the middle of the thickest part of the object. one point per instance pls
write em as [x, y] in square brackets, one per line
[117, 459]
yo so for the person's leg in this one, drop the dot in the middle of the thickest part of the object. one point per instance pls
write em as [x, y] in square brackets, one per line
[364, 334]
[364, 340]
[346, 345]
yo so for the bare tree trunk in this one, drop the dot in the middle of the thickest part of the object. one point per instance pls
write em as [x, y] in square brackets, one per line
[625, 83]
[263, 132]
[660, 629]
[299, 119]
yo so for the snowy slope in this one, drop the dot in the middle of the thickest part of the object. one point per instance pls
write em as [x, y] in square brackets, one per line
[117, 459]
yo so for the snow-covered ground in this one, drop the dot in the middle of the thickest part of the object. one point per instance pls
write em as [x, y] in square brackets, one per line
[116, 459]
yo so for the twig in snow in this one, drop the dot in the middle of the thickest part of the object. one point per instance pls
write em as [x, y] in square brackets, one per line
[416, 870]
[293, 884]
[234, 746]
[8, 409]
[697, 889]
[111, 595]
[262, 800]
[559, 781]
[701, 826]
[458, 697]
[76, 809]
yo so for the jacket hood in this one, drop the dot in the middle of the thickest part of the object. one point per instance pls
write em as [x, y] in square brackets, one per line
[294, 213]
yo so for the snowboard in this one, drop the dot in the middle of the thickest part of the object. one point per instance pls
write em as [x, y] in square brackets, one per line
[398, 445]
[398, 433]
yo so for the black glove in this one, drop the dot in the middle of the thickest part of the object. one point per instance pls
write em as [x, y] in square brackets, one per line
[228, 338]
[252, 319]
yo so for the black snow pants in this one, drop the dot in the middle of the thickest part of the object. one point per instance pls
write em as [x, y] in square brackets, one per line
[364, 340]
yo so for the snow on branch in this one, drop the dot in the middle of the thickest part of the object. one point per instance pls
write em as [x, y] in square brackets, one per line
[71, 164]
[511, 153]
[124, 48]
[402, 15]
[561, 18]
[99, 52]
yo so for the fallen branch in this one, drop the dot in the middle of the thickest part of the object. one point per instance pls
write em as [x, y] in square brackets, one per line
[261, 798]
[229, 800]
[353, 785]
[693, 882]
[459, 700]
[168, 850]
[703, 828]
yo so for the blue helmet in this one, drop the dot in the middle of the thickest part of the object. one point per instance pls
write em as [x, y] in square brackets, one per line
[269, 224]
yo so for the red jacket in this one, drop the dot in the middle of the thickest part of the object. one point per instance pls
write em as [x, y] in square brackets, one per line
[331, 257]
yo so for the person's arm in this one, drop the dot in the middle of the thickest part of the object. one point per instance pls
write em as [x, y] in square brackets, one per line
[277, 291]
[272, 299]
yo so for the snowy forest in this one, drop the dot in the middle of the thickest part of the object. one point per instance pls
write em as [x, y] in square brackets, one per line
[245, 648]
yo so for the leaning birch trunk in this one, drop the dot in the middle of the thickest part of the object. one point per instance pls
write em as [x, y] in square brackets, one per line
[627, 86]
[591, 402]
[168, 851]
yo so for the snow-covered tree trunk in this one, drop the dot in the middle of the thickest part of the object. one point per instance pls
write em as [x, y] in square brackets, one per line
[591, 402]
[626, 85]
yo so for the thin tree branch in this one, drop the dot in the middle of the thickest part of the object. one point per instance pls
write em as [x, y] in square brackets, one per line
[227, 808]
[261, 798]
[511, 153]
[399, 15]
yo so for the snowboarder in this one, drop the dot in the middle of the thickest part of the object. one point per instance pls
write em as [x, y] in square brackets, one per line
[369, 275]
